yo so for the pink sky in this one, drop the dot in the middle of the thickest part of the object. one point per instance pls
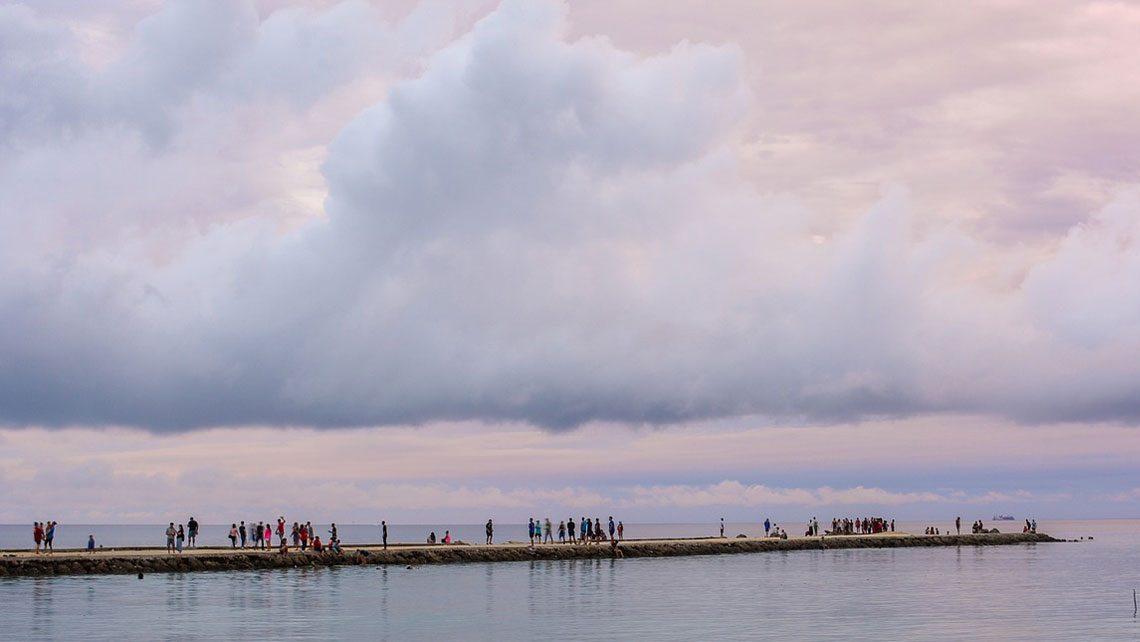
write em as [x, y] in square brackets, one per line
[424, 259]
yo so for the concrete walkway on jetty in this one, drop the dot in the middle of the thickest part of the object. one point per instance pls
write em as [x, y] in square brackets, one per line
[156, 560]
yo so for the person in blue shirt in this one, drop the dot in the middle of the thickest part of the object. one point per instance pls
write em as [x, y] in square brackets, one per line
[91, 544]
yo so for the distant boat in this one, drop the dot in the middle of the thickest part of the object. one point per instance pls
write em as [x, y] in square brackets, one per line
[1003, 518]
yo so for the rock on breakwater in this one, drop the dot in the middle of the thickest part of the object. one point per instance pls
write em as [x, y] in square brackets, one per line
[145, 561]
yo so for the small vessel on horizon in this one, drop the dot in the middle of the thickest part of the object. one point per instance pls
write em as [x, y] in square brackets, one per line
[1003, 518]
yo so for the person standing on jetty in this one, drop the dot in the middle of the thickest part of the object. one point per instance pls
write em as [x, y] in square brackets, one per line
[170, 533]
[530, 530]
[281, 528]
[549, 528]
[37, 535]
[570, 526]
[332, 533]
[722, 527]
[268, 537]
[233, 535]
[384, 533]
[957, 524]
[91, 543]
[241, 533]
[621, 530]
[49, 538]
[179, 538]
[192, 531]
[490, 532]
[613, 527]
[767, 526]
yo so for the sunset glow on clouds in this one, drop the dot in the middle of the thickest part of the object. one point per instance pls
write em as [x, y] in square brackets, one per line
[415, 256]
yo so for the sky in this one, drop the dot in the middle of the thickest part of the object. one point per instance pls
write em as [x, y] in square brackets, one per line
[440, 261]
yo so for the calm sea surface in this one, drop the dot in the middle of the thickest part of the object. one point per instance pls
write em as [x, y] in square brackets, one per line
[1065, 591]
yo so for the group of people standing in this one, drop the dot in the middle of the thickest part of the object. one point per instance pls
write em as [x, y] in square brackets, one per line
[44, 535]
[861, 526]
[183, 534]
[570, 532]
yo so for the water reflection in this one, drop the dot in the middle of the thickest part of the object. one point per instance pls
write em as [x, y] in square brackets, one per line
[1061, 592]
[42, 611]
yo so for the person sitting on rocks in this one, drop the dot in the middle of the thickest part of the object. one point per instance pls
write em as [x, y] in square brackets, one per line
[317, 546]
[615, 550]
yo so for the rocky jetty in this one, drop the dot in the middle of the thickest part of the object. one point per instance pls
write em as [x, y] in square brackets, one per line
[144, 561]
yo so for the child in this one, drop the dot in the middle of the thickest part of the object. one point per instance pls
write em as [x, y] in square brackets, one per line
[91, 544]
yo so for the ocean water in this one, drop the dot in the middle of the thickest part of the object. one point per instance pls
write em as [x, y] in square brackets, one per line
[1063, 591]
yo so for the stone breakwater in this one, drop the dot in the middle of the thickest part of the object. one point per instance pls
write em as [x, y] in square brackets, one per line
[146, 561]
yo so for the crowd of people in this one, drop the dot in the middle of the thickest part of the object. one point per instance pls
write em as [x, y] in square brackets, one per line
[570, 532]
[260, 535]
[860, 526]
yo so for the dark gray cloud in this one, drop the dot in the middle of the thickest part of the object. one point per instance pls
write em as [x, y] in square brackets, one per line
[530, 228]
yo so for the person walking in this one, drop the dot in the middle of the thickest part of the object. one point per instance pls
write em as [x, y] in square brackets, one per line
[37, 535]
[233, 535]
[549, 528]
[490, 532]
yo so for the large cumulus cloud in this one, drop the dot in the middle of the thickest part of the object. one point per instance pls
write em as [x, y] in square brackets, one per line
[532, 228]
